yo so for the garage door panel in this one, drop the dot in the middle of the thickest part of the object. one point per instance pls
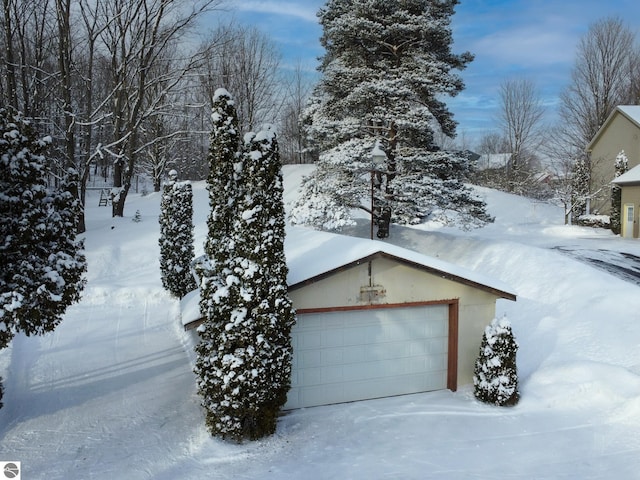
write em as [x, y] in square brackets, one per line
[355, 355]
[436, 329]
[437, 345]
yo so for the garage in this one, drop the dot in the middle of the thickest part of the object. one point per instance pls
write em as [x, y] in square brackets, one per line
[358, 354]
[376, 320]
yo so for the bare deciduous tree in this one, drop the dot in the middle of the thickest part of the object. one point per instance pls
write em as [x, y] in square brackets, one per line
[605, 75]
[137, 41]
[291, 138]
[246, 63]
[520, 118]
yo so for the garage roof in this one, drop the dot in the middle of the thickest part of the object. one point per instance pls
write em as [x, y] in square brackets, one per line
[312, 255]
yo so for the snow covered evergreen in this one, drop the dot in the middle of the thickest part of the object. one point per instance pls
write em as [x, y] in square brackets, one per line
[580, 188]
[386, 68]
[215, 269]
[621, 166]
[260, 243]
[495, 378]
[176, 237]
[42, 261]
[244, 356]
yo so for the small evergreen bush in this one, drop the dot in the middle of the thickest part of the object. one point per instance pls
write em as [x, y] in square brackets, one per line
[495, 378]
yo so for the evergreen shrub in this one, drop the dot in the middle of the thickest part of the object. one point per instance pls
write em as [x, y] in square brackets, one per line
[495, 378]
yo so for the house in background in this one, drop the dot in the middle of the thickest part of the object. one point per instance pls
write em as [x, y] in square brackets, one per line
[376, 320]
[620, 132]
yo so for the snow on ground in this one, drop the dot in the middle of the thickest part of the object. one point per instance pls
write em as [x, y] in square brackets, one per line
[110, 393]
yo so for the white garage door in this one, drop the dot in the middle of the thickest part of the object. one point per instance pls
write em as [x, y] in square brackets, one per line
[362, 354]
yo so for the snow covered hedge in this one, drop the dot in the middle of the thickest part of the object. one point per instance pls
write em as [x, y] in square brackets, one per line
[495, 378]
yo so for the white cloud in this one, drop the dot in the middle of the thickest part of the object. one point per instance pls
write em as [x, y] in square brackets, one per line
[529, 46]
[305, 11]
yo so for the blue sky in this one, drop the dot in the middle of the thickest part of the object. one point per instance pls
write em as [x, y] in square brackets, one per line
[535, 39]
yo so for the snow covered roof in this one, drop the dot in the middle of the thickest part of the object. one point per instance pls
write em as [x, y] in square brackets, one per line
[312, 255]
[630, 177]
[631, 112]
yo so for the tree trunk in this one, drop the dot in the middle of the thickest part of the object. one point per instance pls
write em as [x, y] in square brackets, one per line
[63, 10]
[9, 58]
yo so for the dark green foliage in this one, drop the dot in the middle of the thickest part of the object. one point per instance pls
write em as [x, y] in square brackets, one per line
[244, 358]
[495, 378]
[42, 261]
[176, 238]
[218, 287]
[261, 242]
[222, 180]
[621, 166]
[245, 353]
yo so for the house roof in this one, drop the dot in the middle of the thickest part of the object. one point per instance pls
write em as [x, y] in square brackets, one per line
[313, 255]
[631, 112]
[629, 178]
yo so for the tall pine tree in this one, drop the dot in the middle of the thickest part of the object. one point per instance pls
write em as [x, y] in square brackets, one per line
[386, 68]
[42, 261]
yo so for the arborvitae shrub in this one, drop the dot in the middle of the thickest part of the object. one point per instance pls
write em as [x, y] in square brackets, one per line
[245, 353]
[176, 238]
[621, 166]
[221, 344]
[243, 360]
[495, 378]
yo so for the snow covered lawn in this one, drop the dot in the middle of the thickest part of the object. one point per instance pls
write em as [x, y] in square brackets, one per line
[110, 394]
